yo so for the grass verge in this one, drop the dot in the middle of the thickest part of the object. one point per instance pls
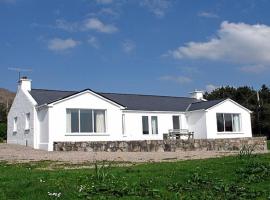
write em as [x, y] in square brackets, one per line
[219, 178]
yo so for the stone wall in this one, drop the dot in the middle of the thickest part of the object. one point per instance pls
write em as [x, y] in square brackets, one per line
[235, 144]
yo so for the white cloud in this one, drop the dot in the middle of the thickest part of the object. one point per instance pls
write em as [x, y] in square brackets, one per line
[108, 11]
[67, 26]
[176, 79]
[97, 25]
[208, 15]
[58, 44]
[157, 7]
[93, 41]
[254, 69]
[104, 1]
[128, 46]
[234, 42]
[210, 87]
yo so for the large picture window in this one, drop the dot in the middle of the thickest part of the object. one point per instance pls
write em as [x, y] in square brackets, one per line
[228, 122]
[85, 121]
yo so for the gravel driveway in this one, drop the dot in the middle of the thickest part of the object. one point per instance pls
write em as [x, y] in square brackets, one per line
[17, 153]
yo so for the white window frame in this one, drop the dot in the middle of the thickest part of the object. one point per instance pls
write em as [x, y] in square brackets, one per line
[27, 122]
[123, 124]
[15, 124]
[93, 122]
[147, 123]
[152, 126]
[229, 132]
[179, 120]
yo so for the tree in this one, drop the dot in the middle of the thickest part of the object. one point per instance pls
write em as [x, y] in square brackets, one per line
[3, 122]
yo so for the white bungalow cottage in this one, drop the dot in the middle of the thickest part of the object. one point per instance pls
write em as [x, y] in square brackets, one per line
[39, 117]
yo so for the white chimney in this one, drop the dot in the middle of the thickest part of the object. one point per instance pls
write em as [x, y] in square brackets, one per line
[25, 84]
[197, 94]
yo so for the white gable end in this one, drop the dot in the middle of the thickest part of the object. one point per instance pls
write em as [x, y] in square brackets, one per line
[229, 107]
[84, 100]
[96, 97]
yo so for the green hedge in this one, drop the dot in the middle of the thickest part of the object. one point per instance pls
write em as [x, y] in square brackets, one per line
[268, 144]
[3, 131]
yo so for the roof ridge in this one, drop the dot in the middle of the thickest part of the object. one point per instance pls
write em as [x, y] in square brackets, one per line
[112, 93]
[144, 95]
[55, 90]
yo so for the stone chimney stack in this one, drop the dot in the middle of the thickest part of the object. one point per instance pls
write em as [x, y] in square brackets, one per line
[24, 84]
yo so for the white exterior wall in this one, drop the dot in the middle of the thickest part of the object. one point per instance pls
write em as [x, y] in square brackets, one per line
[43, 125]
[86, 100]
[133, 124]
[197, 123]
[22, 105]
[228, 106]
[48, 124]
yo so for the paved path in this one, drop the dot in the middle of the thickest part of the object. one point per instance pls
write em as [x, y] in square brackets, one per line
[17, 153]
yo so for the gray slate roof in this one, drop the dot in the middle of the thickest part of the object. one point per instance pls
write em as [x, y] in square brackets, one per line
[130, 101]
[203, 105]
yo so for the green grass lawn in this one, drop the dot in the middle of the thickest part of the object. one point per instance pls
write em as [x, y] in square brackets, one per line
[219, 178]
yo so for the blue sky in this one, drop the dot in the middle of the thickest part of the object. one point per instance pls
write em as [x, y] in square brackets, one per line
[131, 46]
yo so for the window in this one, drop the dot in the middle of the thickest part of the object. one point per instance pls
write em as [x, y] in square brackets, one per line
[228, 122]
[15, 124]
[72, 120]
[27, 121]
[176, 122]
[99, 122]
[85, 121]
[154, 124]
[220, 122]
[86, 124]
[236, 122]
[145, 125]
[123, 124]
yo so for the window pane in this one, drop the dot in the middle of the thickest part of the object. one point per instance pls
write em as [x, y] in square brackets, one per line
[236, 122]
[123, 124]
[228, 122]
[154, 123]
[220, 122]
[176, 123]
[15, 124]
[27, 121]
[74, 119]
[99, 116]
[86, 121]
[145, 125]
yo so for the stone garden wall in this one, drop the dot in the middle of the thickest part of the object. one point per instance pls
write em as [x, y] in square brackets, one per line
[235, 144]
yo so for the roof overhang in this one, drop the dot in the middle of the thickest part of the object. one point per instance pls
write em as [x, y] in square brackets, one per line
[84, 92]
[228, 99]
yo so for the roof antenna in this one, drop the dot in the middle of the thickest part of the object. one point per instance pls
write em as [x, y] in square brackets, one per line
[19, 70]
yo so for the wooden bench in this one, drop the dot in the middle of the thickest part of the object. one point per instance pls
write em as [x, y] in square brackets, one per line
[179, 134]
